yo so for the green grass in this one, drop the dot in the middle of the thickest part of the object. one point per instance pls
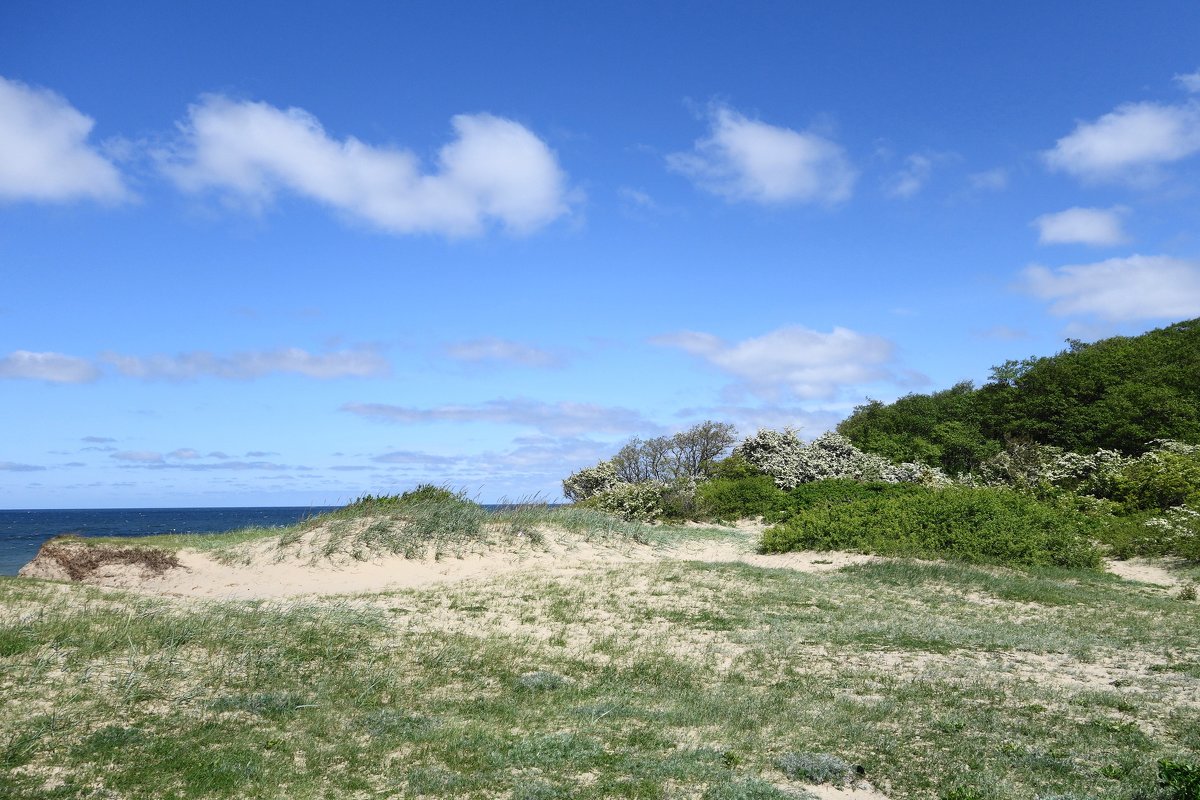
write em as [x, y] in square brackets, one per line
[653, 680]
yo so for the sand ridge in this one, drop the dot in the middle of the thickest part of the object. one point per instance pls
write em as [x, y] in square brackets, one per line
[271, 573]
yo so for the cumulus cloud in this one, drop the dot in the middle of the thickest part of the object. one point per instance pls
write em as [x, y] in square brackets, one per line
[495, 169]
[11, 466]
[354, 363]
[1128, 143]
[49, 367]
[567, 419]
[1120, 289]
[1094, 226]
[490, 349]
[744, 159]
[44, 152]
[806, 363]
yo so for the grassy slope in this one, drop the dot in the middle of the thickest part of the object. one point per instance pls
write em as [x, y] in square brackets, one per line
[651, 680]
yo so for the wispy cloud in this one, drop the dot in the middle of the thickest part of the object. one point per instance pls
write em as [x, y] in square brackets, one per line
[495, 169]
[139, 456]
[503, 351]
[806, 363]
[44, 152]
[49, 367]
[98, 439]
[10, 466]
[1101, 227]
[1120, 289]
[745, 159]
[568, 419]
[912, 178]
[992, 180]
[1189, 81]
[191, 460]
[1128, 143]
[354, 363]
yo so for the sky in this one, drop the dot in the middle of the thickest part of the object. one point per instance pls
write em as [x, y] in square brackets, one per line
[290, 253]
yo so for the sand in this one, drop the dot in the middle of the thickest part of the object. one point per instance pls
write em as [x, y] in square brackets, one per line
[269, 576]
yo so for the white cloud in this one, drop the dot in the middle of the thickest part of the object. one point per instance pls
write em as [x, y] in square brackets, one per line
[1094, 226]
[1129, 142]
[1189, 81]
[807, 363]
[564, 419]
[910, 180]
[502, 350]
[744, 159]
[1119, 289]
[50, 367]
[494, 169]
[357, 363]
[44, 154]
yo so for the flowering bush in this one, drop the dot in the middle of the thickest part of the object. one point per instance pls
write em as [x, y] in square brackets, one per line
[1179, 531]
[636, 502]
[590, 481]
[790, 462]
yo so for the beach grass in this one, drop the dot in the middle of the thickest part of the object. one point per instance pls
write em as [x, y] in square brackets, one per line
[435, 529]
[647, 680]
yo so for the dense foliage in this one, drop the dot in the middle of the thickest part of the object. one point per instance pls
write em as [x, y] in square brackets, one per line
[1116, 394]
[980, 525]
[653, 478]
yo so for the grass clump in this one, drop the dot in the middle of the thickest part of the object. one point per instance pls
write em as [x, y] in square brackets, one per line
[975, 525]
[817, 767]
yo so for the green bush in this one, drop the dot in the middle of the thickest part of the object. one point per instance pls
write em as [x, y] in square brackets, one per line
[634, 502]
[1175, 532]
[1159, 481]
[976, 525]
[846, 490]
[740, 498]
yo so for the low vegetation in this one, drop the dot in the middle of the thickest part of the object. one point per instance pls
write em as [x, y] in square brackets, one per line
[651, 680]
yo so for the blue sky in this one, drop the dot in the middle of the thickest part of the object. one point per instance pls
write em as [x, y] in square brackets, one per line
[288, 254]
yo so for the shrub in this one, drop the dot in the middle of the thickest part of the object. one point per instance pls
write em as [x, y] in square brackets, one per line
[791, 462]
[845, 490]
[1159, 480]
[739, 498]
[590, 481]
[635, 502]
[978, 525]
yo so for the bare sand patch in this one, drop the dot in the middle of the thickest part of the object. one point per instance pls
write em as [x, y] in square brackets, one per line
[1143, 571]
[269, 571]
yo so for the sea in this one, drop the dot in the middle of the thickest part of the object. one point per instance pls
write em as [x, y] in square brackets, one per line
[22, 532]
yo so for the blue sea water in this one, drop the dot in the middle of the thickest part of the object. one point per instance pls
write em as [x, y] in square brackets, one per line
[22, 532]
